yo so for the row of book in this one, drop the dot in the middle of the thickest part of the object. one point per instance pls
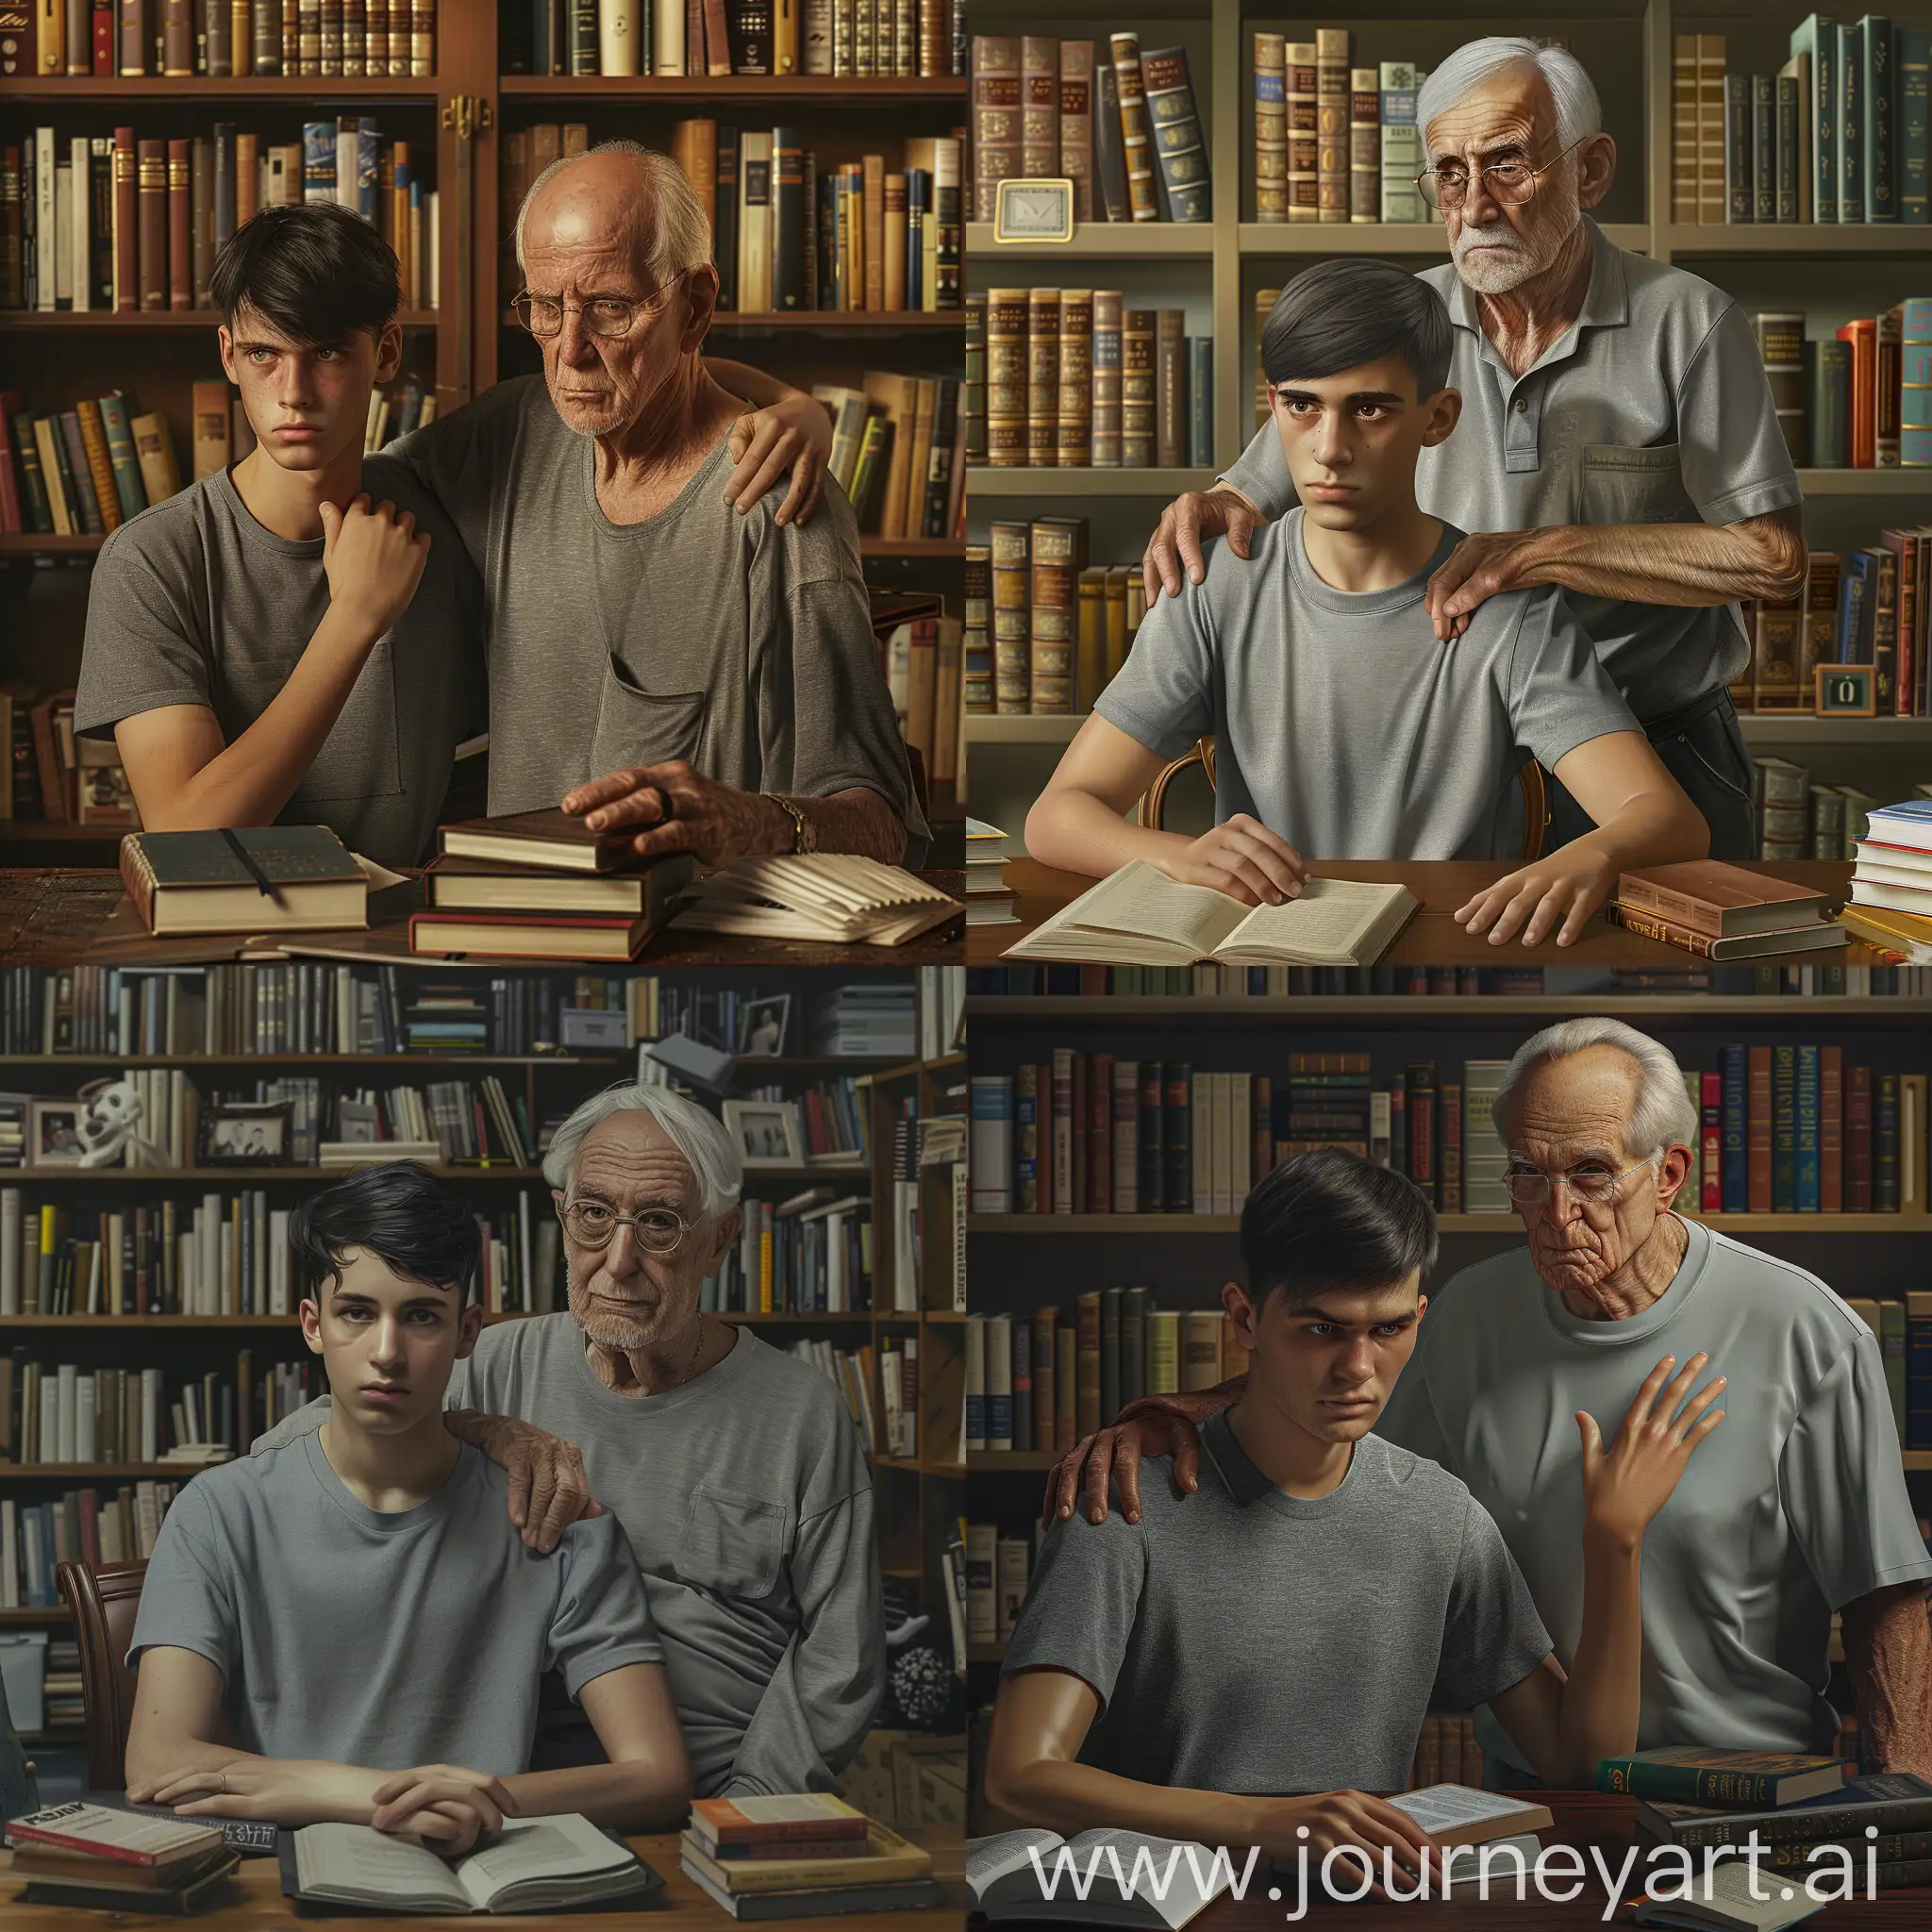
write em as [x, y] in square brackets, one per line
[83, 471]
[122, 222]
[1797, 819]
[1038, 1381]
[81, 1526]
[849, 1371]
[1334, 142]
[1837, 134]
[842, 39]
[899, 1394]
[317, 40]
[1121, 125]
[1859, 399]
[1070, 378]
[822, 1125]
[899, 453]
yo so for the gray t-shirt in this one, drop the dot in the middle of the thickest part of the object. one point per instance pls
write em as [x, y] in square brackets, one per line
[193, 603]
[742, 646]
[1342, 722]
[1653, 408]
[1792, 1506]
[1243, 1639]
[381, 1639]
[748, 1505]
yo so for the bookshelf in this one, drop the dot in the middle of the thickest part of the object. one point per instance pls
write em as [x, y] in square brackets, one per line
[1212, 272]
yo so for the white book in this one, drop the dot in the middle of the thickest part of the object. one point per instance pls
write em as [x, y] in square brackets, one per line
[63, 235]
[754, 224]
[10, 1250]
[999, 1382]
[66, 1400]
[617, 35]
[86, 1415]
[80, 273]
[1201, 1145]
[666, 40]
[815, 52]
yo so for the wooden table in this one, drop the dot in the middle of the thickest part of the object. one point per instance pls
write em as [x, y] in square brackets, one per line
[260, 1907]
[1432, 938]
[60, 917]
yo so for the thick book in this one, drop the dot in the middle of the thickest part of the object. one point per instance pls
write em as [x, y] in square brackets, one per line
[833, 896]
[1175, 124]
[841, 1902]
[494, 885]
[123, 1837]
[262, 878]
[1736, 1780]
[877, 1855]
[1724, 901]
[550, 838]
[1139, 916]
[201, 1887]
[1003, 1874]
[803, 1816]
[1886, 1802]
[1816, 937]
[1455, 1814]
[529, 935]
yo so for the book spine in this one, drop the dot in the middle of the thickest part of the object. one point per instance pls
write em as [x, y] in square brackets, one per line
[1879, 131]
[996, 118]
[1364, 145]
[1171, 388]
[1138, 396]
[1331, 122]
[1304, 132]
[1135, 144]
[1039, 107]
[1270, 127]
[1175, 124]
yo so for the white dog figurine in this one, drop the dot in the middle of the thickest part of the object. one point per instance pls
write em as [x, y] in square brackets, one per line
[107, 1128]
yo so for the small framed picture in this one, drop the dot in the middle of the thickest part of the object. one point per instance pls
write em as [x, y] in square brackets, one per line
[1033, 211]
[766, 1131]
[53, 1133]
[357, 1124]
[1847, 690]
[248, 1134]
[762, 1026]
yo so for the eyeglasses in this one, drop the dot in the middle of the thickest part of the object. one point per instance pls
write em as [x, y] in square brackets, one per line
[604, 315]
[1509, 184]
[1529, 1186]
[593, 1225]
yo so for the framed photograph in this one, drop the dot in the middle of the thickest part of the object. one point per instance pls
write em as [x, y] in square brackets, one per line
[1033, 211]
[762, 1025]
[1847, 690]
[356, 1123]
[248, 1134]
[766, 1131]
[53, 1133]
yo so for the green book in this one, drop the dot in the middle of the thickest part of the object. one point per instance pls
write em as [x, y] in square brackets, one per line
[1875, 49]
[1851, 121]
[1732, 1779]
[1827, 401]
[868, 468]
[1912, 57]
[121, 458]
[1891, 1344]
[1134, 1344]
[33, 486]
[1816, 40]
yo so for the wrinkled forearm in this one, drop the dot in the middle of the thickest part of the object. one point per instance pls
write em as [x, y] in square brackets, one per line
[1889, 1652]
[1688, 564]
[858, 820]
[485, 1432]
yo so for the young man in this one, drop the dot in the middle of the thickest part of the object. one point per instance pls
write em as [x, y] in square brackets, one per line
[357, 1603]
[1178, 1675]
[1346, 729]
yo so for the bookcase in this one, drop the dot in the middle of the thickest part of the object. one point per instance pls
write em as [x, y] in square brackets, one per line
[456, 120]
[1214, 271]
[907, 1073]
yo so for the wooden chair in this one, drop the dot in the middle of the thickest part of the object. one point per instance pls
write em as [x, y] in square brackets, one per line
[104, 1602]
[1529, 775]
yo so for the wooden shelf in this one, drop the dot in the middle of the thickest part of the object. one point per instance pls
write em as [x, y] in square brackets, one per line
[1899, 482]
[1764, 727]
[313, 1059]
[122, 1471]
[983, 482]
[866, 321]
[1093, 242]
[738, 1318]
[1262, 239]
[35, 1613]
[146, 321]
[1504, 1011]
[87, 90]
[1498, 1227]
[148, 1176]
[936, 548]
[804, 88]
[1797, 239]
[31, 543]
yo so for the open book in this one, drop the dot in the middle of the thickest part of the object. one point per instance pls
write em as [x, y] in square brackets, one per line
[1140, 917]
[536, 1865]
[1128, 1879]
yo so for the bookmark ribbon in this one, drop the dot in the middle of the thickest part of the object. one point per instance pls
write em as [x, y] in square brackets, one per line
[262, 882]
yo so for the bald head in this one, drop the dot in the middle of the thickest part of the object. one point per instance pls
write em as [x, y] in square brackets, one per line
[620, 203]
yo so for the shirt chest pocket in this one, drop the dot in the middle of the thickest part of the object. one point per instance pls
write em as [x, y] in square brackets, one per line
[638, 727]
[733, 1545]
[1617, 485]
[360, 759]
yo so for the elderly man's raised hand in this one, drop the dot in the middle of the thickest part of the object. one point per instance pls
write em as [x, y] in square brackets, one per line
[1187, 525]
[1626, 1485]
[794, 434]
[373, 558]
[679, 809]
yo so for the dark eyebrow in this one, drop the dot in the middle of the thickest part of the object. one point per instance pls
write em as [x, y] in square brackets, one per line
[1385, 397]
[415, 1301]
[1313, 1313]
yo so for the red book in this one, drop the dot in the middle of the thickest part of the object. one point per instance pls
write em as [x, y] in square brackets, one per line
[180, 224]
[10, 514]
[127, 223]
[1861, 428]
[1857, 1141]
[1831, 1130]
[1758, 1131]
[1077, 1121]
[809, 1816]
[1710, 1165]
[103, 25]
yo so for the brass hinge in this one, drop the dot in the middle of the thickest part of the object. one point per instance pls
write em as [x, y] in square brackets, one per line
[467, 114]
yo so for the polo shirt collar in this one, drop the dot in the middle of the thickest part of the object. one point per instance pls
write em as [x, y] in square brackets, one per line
[1606, 304]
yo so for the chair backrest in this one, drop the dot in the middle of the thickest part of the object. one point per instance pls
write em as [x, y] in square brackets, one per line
[1529, 775]
[104, 1602]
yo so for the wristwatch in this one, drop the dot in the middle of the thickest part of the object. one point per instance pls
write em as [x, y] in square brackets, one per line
[805, 836]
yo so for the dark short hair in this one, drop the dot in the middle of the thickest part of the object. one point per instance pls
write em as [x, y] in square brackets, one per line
[397, 1212]
[1329, 1220]
[316, 271]
[1339, 315]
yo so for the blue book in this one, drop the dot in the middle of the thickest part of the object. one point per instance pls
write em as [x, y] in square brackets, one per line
[1784, 1129]
[975, 1399]
[1816, 40]
[1911, 58]
[992, 1143]
[1915, 371]
[1852, 585]
[1808, 1130]
[1201, 402]
[1908, 823]
[318, 160]
[1733, 1064]
[1851, 121]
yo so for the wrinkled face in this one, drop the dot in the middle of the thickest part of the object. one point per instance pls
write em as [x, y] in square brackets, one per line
[306, 405]
[624, 1298]
[1510, 117]
[1572, 1116]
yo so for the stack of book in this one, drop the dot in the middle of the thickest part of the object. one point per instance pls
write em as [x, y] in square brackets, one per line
[113, 1860]
[1892, 875]
[1722, 911]
[803, 1856]
[988, 899]
[1045, 631]
[351, 40]
[1335, 143]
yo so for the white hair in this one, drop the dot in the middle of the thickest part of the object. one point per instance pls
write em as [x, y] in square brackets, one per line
[1578, 112]
[678, 228]
[695, 1132]
[1661, 1117]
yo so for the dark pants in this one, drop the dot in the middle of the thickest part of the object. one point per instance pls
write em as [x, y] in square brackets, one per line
[1704, 751]
[16, 1791]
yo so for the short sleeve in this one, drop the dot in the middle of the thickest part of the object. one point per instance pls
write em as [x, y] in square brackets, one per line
[1085, 1596]
[602, 1621]
[1260, 474]
[1559, 695]
[186, 1597]
[1163, 695]
[1491, 1636]
[461, 459]
[143, 646]
[1733, 456]
[1844, 1484]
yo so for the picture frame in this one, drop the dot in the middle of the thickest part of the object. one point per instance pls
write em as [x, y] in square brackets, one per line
[1846, 691]
[53, 1133]
[254, 1133]
[767, 1133]
[763, 1024]
[1033, 211]
[357, 1122]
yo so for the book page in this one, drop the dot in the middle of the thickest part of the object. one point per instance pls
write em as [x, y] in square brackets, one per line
[1443, 1807]
[990, 1859]
[566, 1845]
[1141, 901]
[1188, 1882]
[354, 1862]
[1328, 921]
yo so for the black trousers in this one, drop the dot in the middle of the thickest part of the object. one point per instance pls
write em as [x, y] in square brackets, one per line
[1704, 751]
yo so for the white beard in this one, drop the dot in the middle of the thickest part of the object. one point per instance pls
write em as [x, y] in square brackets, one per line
[1494, 260]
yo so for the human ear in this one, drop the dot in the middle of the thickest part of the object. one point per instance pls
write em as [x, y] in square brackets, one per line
[1596, 169]
[1445, 412]
[389, 350]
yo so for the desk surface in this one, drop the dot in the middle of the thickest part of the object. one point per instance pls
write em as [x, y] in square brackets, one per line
[1432, 938]
[59, 917]
[260, 1907]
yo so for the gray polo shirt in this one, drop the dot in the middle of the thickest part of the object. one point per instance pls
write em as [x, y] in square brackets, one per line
[1653, 408]
[742, 646]
[1343, 724]
[1792, 1506]
[384, 1639]
[195, 603]
[1243, 1639]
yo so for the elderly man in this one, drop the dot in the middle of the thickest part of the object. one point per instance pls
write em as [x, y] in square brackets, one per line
[657, 660]
[733, 1468]
[1618, 434]
[1795, 1508]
